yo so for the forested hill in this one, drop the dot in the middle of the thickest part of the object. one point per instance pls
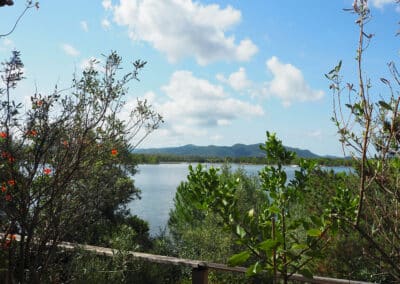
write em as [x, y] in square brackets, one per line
[235, 151]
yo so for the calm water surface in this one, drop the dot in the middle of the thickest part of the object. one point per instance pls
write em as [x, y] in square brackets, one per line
[158, 184]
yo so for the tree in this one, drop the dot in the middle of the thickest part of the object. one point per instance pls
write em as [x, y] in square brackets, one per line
[275, 238]
[63, 163]
[197, 235]
[369, 127]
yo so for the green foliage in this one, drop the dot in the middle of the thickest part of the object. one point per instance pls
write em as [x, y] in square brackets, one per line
[84, 267]
[200, 234]
[64, 174]
[368, 125]
[275, 152]
[269, 234]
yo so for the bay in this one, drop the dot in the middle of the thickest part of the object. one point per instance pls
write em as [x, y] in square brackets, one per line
[158, 184]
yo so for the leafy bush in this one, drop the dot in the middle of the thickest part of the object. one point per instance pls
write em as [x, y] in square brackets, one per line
[63, 170]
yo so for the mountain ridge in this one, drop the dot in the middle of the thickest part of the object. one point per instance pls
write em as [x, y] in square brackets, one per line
[237, 150]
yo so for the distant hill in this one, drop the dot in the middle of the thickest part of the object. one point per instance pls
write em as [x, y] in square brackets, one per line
[235, 151]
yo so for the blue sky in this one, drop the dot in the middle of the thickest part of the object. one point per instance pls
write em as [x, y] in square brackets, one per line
[220, 72]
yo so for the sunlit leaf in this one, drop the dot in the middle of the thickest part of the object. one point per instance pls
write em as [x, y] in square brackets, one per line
[253, 269]
[299, 246]
[240, 231]
[314, 232]
[268, 245]
[238, 259]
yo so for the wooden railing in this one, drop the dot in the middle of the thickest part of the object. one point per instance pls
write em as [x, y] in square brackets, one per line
[199, 268]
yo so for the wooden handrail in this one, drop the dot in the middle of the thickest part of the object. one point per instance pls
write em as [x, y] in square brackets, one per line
[199, 268]
[141, 255]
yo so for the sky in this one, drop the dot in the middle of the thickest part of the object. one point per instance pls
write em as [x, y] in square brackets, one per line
[219, 72]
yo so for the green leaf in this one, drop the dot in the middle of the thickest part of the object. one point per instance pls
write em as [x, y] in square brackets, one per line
[349, 106]
[299, 246]
[268, 245]
[274, 209]
[316, 220]
[385, 81]
[314, 232]
[240, 232]
[239, 258]
[385, 105]
[306, 273]
[337, 68]
[330, 73]
[253, 269]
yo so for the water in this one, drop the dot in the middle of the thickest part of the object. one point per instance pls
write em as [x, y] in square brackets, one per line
[158, 184]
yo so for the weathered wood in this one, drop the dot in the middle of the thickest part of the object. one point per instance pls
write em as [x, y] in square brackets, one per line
[140, 255]
[224, 267]
[200, 275]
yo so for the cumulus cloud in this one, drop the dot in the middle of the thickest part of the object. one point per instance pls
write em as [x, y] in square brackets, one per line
[237, 80]
[183, 28]
[105, 23]
[84, 26]
[70, 50]
[107, 5]
[194, 105]
[381, 3]
[288, 83]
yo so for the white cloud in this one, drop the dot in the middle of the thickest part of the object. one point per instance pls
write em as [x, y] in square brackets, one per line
[381, 3]
[216, 138]
[105, 24]
[288, 83]
[70, 50]
[6, 44]
[84, 26]
[150, 97]
[237, 80]
[183, 28]
[195, 105]
[91, 61]
[107, 5]
[315, 134]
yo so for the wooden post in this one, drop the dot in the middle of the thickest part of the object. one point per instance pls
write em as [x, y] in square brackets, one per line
[200, 275]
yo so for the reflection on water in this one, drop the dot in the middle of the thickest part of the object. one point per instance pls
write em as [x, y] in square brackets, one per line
[158, 184]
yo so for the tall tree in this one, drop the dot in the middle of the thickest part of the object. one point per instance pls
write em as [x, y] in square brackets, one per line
[64, 162]
[369, 128]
